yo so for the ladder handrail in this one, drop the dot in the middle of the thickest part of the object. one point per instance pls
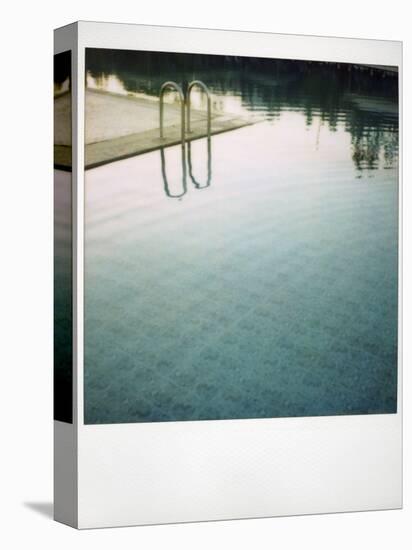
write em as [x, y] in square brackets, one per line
[209, 165]
[203, 86]
[178, 89]
[164, 176]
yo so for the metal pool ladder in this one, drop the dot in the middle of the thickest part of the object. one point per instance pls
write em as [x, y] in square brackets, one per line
[173, 85]
[185, 101]
[203, 86]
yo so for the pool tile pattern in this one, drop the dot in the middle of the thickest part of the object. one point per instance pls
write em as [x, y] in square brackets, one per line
[273, 293]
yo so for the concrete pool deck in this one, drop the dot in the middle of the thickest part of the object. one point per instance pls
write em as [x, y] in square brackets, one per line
[120, 126]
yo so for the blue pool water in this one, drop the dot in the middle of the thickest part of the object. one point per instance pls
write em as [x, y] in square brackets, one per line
[272, 292]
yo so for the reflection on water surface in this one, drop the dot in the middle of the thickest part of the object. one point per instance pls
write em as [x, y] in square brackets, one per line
[362, 101]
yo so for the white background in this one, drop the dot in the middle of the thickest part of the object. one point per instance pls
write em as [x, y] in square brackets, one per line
[26, 273]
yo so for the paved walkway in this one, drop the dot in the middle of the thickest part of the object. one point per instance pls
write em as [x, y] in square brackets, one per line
[118, 126]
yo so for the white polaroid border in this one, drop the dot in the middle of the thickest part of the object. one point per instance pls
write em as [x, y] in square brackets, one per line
[147, 473]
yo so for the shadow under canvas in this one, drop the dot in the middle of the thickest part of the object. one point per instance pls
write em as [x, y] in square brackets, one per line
[43, 508]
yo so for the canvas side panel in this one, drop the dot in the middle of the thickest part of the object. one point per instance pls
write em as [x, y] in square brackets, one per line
[65, 432]
[63, 241]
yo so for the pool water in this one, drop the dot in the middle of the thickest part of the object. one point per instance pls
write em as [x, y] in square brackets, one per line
[270, 292]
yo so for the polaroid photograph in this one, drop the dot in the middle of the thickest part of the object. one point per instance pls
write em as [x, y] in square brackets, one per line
[227, 282]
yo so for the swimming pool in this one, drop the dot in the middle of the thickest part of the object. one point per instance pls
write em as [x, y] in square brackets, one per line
[270, 292]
